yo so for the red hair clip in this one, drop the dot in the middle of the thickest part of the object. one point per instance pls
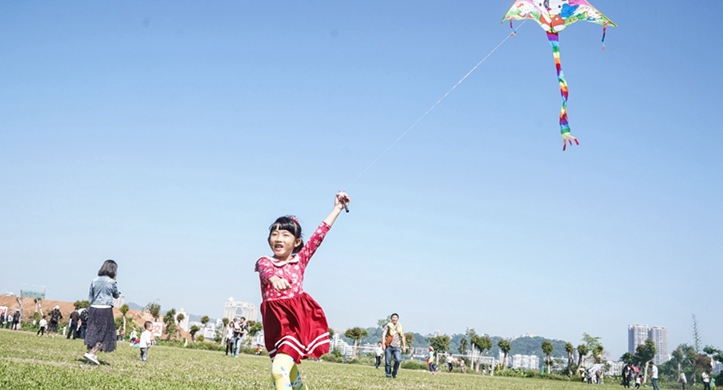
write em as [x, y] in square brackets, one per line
[293, 218]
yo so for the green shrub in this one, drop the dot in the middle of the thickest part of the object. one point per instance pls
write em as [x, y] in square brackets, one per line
[414, 365]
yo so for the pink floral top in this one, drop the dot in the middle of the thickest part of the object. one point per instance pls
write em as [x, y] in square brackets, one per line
[292, 270]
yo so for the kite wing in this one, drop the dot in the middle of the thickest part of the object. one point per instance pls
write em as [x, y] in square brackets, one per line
[554, 15]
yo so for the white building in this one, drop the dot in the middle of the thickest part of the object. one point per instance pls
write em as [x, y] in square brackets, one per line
[233, 309]
[616, 368]
[659, 335]
[717, 367]
[637, 334]
[184, 323]
[529, 362]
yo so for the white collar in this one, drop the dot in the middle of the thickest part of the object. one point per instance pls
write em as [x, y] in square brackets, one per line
[280, 263]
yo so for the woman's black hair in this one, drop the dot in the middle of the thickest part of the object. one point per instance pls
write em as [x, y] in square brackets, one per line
[109, 269]
[291, 225]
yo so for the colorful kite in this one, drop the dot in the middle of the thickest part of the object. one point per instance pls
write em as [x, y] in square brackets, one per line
[553, 16]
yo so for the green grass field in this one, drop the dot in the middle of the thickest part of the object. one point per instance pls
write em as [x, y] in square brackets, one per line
[30, 362]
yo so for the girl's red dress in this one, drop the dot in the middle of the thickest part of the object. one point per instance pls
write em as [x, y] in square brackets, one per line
[294, 323]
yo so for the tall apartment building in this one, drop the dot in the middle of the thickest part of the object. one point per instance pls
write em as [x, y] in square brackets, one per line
[638, 333]
[233, 309]
[659, 335]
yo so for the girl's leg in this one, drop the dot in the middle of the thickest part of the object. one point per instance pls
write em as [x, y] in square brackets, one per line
[296, 382]
[281, 368]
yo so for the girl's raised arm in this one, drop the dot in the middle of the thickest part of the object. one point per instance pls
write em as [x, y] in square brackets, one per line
[339, 200]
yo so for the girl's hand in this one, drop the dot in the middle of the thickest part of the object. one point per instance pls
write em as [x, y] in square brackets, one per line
[340, 199]
[279, 283]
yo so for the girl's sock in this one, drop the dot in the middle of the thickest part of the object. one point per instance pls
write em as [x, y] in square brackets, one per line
[281, 371]
[296, 382]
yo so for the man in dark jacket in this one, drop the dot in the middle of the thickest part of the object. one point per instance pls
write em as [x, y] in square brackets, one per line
[16, 320]
[73, 325]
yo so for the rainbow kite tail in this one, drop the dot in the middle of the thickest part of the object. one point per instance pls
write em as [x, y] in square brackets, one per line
[564, 125]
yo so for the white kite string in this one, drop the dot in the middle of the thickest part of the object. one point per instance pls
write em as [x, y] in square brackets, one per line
[434, 105]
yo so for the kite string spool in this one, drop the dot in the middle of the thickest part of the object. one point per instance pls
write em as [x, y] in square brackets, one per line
[433, 106]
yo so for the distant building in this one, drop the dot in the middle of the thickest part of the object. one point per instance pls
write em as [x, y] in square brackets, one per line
[659, 335]
[638, 333]
[529, 362]
[234, 309]
[717, 367]
[616, 368]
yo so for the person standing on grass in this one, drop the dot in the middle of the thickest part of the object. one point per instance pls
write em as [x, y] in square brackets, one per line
[229, 336]
[41, 327]
[55, 317]
[100, 334]
[83, 313]
[146, 340]
[378, 351]
[239, 332]
[682, 379]
[450, 362]
[654, 376]
[705, 376]
[16, 320]
[294, 324]
[393, 339]
[73, 324]
[431, 362]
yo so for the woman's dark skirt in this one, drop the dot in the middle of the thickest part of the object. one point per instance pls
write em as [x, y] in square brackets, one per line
[101, 329]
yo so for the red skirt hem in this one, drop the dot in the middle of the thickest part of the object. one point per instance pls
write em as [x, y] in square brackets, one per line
[296, 327]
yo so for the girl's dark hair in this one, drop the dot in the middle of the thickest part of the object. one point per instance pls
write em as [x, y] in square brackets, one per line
[109, 269]
[291, 225]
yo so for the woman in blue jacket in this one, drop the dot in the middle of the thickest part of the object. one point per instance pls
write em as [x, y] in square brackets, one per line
[100, 334]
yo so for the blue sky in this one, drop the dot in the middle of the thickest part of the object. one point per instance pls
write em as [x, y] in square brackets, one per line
[169, 135]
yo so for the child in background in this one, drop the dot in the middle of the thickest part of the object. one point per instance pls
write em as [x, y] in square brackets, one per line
[431, 362]
[294, 324]
[42, 325]
[146, 340]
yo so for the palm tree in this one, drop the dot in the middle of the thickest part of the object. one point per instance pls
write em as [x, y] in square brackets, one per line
[254, 328]
[547, 348]
[170, 321]
[124, 310]
[223, 331]
[154, 309]
[194, 329]
[570, 350]
[356, 334]
[582, 351]
[482, 343]
[462, 346]
[409, 339]
[505, 347]
[179, 318]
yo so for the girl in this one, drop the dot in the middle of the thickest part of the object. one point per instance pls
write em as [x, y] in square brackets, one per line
[294, 324]
[100, 334]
